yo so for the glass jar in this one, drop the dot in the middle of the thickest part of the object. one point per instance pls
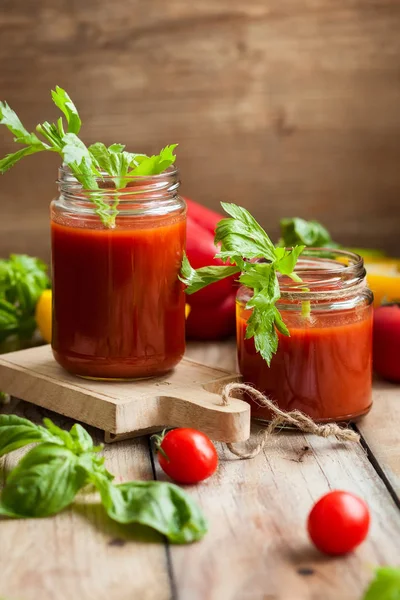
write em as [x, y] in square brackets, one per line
[324, 368]
[118, 305]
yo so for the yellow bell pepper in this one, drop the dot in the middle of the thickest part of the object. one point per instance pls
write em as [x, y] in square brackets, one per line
[383, 277]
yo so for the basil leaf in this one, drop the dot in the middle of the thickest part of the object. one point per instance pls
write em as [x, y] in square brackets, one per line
[27, 278]
[65, 104]
[196, 279]
[81, 439]
[308, 233]
[9, 319]
[162, 506]
[45, 482]
[385, 586]
[16, 432]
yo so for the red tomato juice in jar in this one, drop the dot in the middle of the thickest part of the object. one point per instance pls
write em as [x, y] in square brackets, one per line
[324, 368]
[118, 305]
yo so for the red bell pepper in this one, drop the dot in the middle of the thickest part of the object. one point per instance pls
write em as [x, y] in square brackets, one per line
[212, 321]
[201, 249]
[212, 313]
[203, 216]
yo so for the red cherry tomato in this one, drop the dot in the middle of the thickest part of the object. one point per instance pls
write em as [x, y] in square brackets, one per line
[338, 522]
[386, 342]
[187, 455]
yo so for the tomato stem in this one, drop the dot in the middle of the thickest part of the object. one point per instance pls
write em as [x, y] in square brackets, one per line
[158, 440]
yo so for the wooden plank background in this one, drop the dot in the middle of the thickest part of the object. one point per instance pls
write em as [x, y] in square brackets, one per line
[290, 107]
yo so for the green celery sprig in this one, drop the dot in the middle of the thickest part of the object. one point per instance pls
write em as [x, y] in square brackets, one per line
[86, 164]
[243, 239]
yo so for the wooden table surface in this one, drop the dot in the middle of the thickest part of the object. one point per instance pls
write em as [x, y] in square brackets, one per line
[256, 548]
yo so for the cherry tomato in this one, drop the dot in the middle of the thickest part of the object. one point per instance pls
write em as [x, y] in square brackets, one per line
[187, 455]
[386, 342]
[338, 522]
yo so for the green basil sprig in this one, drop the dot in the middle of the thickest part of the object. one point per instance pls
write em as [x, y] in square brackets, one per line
[22, 280]
[47, 479]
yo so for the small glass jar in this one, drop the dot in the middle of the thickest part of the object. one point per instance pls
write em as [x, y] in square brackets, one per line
[118, 305]
[324, 368]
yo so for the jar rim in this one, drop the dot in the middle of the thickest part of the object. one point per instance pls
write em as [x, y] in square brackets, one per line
[138, 188]
[331, 274]
[328, 261]
[321, 269]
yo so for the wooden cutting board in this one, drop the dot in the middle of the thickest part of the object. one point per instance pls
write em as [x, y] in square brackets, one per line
[187, 397]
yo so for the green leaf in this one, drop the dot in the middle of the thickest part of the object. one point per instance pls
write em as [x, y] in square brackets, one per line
[61, 434]
[9, 319]
[116, 148]
[242, 237]
[308, 233]
[22, 281]
[242, 241]
[196, 279]
[162, 506]
[65, 104]
[10, 159]
[115, 161]
[27, 279]
[16, 432]
[153, 165]
[261, 277]
[10, 119]
[385, 586]
[261, 326]
[45, 482]
[81, 438]
[287, 259]
[85, 165]
[52, 134]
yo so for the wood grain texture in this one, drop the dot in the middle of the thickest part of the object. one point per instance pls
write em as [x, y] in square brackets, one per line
[257, 547]
[380, 430]
[186, 397]
[287, 107]
[81, 553]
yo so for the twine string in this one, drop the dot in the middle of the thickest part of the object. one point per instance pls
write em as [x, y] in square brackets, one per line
[294, 418]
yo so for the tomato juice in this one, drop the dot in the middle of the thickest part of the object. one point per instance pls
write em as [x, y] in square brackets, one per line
[118, 305]
[323, 369]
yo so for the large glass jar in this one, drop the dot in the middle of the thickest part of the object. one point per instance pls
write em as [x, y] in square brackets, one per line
[324, 368]
[118, 305]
